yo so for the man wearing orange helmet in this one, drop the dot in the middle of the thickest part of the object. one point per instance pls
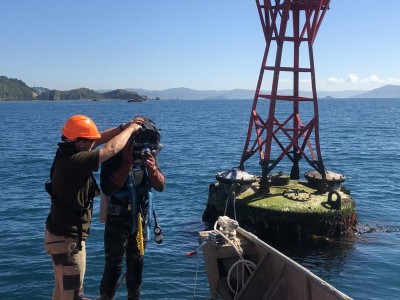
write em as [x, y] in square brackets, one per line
[72, 189]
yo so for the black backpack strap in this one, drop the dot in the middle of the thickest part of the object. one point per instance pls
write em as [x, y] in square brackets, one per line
[80, 232]
[82, 211]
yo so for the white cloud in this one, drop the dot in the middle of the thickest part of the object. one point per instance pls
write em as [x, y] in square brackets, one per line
[350, 81]
[393, 80]
[353, 78]
[374, 79]
[334, 80]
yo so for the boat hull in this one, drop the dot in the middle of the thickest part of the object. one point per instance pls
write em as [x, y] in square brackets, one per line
[273, 276]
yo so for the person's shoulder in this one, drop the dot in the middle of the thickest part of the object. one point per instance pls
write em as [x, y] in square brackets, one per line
[87, 154]
[113, 160]
[86, 159]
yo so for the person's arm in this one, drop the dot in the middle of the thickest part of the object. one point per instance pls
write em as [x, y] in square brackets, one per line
[107, 169]
[156, 177]
[118, 142]
[110, 133]
[119, 177]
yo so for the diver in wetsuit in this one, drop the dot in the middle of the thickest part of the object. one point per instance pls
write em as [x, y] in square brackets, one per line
[127, 179]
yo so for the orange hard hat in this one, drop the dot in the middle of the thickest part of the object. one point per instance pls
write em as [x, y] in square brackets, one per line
[80, 126]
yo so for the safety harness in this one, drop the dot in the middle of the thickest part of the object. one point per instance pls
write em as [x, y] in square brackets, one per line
[138, 197]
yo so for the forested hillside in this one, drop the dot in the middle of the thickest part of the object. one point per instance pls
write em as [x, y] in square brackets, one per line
[16, 90]
[76, 94]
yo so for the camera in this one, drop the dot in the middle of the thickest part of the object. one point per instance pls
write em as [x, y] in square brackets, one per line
[147, 139]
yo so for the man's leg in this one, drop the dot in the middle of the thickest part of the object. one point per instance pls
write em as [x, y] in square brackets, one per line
[69, 268]
[114, 247]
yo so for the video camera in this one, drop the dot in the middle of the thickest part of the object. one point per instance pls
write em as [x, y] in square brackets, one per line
[147, 139]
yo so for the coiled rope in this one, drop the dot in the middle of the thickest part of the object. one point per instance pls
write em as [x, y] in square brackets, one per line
[242, 265]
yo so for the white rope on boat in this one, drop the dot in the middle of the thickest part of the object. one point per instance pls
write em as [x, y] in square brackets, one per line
[242, 265]
[228, 231]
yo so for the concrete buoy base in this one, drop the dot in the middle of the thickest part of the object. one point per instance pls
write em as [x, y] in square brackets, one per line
[292, 211]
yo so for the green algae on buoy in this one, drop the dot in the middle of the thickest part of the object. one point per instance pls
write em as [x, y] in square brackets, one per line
[292, 209]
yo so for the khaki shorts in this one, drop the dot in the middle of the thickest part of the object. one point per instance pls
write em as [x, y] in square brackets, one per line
[69, 269]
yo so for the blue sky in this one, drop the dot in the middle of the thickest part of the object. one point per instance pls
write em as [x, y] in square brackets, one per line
[208, 44]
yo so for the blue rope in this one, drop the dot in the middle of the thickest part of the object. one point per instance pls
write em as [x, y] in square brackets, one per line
[133, 200]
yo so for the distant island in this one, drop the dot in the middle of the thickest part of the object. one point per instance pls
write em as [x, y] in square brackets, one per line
[16, 90]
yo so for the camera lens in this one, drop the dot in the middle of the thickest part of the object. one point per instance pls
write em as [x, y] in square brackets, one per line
[145, 151]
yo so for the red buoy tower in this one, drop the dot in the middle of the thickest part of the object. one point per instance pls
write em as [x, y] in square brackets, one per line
[290, 28]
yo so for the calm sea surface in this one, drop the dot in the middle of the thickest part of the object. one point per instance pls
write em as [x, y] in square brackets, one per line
[359, 138]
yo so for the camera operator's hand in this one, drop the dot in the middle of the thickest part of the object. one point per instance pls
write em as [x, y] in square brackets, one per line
[156, 177]
[149, 161]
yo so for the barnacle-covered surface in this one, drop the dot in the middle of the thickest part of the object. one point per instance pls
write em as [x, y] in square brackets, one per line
[295, 210]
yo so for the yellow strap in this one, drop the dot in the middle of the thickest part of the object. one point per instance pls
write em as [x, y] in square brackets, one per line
[139, 237]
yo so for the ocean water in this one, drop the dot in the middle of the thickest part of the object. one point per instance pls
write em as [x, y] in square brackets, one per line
[359, 138]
